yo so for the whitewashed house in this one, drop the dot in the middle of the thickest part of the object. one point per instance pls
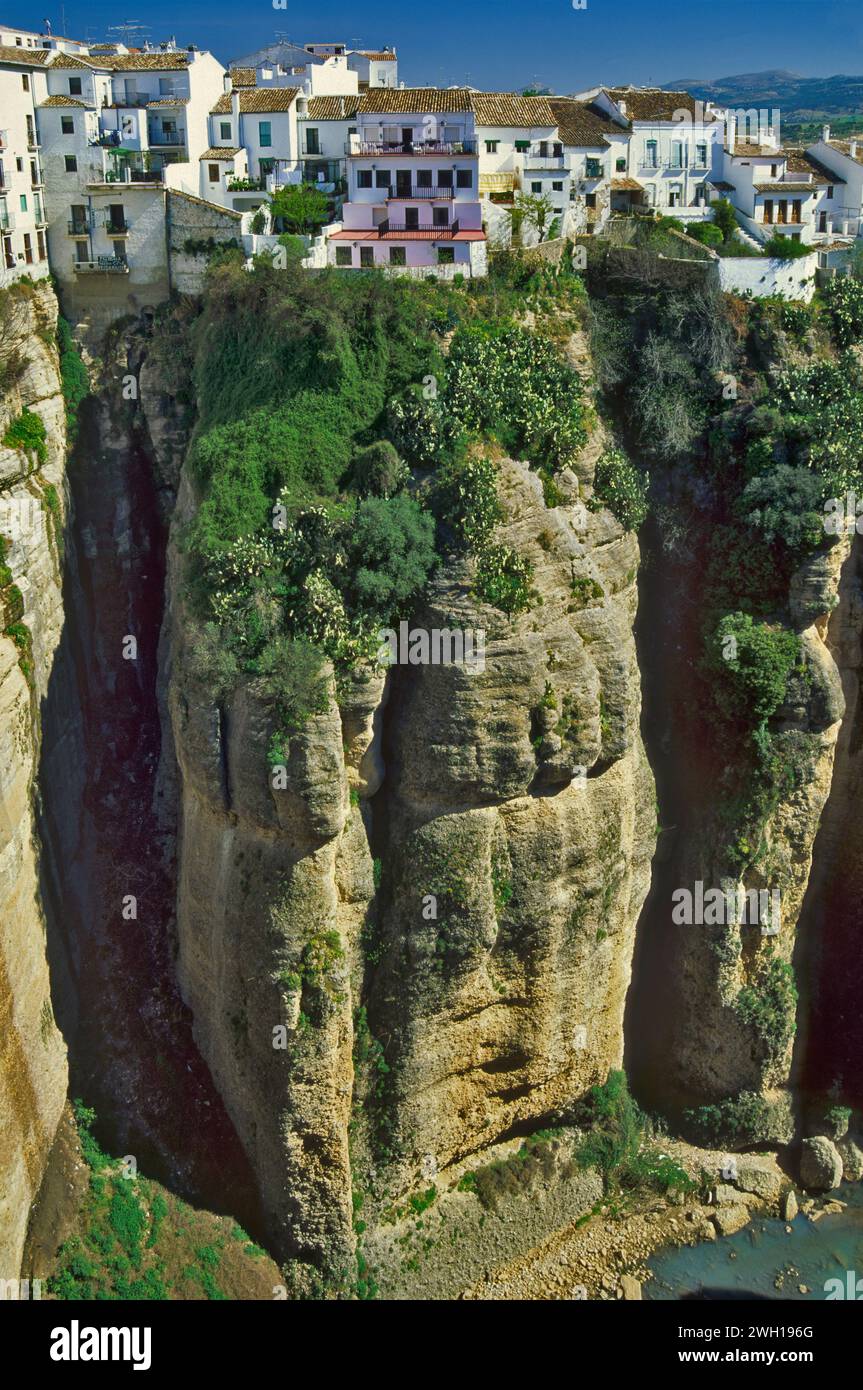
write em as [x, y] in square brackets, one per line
[675, 148]
[413, 184]
[23, 214]
[118, 131]
[842, 162]
[775, 191]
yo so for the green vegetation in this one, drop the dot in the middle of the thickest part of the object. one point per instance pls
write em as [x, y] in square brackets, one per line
[74, 378]
[622, 488]
[768, 1005]
[785, 248]
[734, 1123]
[300, 207]
[137, 1242]
[617, 1142]
[843, 300]
[27, 433]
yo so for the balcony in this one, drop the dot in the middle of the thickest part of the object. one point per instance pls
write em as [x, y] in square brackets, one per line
[548, 162]
[160, 137]
[103, 265]
[79, 227]
[32, 140]
[122, 173]
[387, 228]
[245, 185]
[439, 193]
[115, 228]
[420, 148]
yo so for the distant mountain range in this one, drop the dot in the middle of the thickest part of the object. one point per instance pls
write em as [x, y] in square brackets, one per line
[799, 98]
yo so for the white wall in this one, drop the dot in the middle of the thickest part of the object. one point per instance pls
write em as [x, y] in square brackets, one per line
[763, 277]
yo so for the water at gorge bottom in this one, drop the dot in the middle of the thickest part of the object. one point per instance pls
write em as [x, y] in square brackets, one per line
[768, 1260]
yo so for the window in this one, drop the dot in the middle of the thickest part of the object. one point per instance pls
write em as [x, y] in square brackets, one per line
[830, 191]
[25, 82]
[313, 144]
[440, 217]
[266, 166]
[590, 200]
[522, 146]
[701, 155]
[74, 86]
[119, 249]
[593, 168]
[444, 178]
[382, 178]
[82, 251]
[398, 255]
[364, 178]
[620, 166]
[491, 146]
[28, 249]
[213, 173]
[43, 251]
[19, 164]
[650, 154]
[265, 134]
[557, 149]
[677, 154]
[464, 178]
[224, 130]
[557, 187]
[446, 255]
[367, 255]
[774, 170]
[23, 199]
[344, 255]
[536, 188]
[67, 125]
[71, 162]
[424, 178]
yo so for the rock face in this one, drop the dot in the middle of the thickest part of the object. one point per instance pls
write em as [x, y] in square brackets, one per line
[33, 1073]
[820, 1164]
[421, 933]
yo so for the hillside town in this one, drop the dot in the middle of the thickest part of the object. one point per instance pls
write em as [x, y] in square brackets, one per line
[122, 168]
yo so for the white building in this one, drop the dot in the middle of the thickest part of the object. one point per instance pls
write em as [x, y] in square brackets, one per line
[779, 192]
[842, 162]
[413, 184]
[675, 148]
[23, 221]
[117, 131]
[372, 67]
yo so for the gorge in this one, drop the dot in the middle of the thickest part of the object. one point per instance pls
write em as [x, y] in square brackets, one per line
[360, 1008]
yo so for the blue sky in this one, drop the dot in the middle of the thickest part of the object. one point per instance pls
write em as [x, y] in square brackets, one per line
[509, 45]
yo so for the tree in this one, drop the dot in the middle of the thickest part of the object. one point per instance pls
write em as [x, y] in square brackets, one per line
[785, 504]
[301, 206]
[758, 660]
[536, 209]
[725, 218]
[378, 471]
[391, 553]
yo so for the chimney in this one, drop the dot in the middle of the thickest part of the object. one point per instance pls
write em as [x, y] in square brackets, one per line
[235, 115]
[228, 84]
[852, 149]
[825, 134]
[730, 132]
[621, 106]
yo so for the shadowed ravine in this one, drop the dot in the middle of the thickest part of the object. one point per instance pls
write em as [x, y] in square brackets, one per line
[108, 831]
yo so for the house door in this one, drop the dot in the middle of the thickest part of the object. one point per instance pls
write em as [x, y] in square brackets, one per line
[795, 210]
[822, 221]
[412, 218]
[403, 183]
[768, 210]
[783, 210]
[407, 137]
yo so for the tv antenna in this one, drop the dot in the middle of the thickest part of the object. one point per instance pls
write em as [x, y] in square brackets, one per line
[129, 31]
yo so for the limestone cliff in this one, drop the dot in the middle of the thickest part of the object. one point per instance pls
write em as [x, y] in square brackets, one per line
[418, 943]
[33, 1074]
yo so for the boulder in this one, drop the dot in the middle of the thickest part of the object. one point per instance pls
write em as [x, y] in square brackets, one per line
[852, 1159]
[789, 1205]
[820, 1164]
[759, 1178]
[728, 1220]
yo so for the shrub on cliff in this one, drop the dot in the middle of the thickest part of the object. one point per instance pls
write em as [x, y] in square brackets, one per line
[756, 660]
[622, 488]
[843, 298]
[377, 470]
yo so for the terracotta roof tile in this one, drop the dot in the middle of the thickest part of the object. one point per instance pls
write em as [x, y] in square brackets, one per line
[654, 104]
[415, 101]
[219, 152]
[581, 126]
[27, 57]
[258, 100]
[242, 77]
[512, 109]
[62, 101]
[333, 108]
